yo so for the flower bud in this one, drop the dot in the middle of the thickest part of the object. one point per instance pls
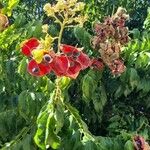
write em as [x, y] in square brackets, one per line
[49, 9]
[80, 19]
[45, 28]
[120, 11]
[79, 6]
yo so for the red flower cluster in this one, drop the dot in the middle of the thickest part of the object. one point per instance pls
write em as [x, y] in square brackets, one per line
[111, 35]
[68, 63]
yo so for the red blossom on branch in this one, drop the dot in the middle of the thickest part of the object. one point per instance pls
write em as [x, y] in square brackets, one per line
[68, 63]
[38, 70]
[29, 45]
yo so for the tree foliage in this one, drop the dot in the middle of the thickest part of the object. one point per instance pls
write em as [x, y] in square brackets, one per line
[95, 111]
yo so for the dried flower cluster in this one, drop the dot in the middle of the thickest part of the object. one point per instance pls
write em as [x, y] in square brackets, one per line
[140, 143]
[111, 35]
[3, 22]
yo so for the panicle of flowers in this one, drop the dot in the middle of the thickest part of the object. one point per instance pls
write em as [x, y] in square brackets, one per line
[67, 10]
[110, 36]
[67, 60]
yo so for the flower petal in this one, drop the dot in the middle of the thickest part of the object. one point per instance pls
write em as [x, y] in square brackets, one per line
[74, 69]
[76, 54]
[97, 64]
[60, 65]
[84, 60]
[73, 76]
[68, 49]
[29, 45]
[39, 70]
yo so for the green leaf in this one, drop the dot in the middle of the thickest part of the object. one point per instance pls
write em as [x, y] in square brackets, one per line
[83, 36]
[22, 68]
[64, 82]
[82, 125]
[51, 139]
[136, 33]
[39, 137]
[20, 20]
[46, 135]
[59, 117]
[11, 4]
[22, 105]
[129, 145]
[29, 104]
[134, 78]
[99, 98]
[50, 86]
[88, 87]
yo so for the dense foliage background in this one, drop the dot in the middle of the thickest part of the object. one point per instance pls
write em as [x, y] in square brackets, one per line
[114, 108]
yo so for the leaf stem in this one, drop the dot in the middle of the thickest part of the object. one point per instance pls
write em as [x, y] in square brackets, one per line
[57, 95]
[62, 26]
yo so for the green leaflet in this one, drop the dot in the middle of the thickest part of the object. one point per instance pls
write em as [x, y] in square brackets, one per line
[64, 82]
[88, 87]
[50, 122]
[11, 4]
[107, 143]
[29, 104]
[100, 99]
[51, 138]
[22, 68]
[83, 36]
[134, 78]
[94, 90]
[89, 84]
[82, 125]
[40, 133]
[147, 21]
[129, 145]
[59, 117]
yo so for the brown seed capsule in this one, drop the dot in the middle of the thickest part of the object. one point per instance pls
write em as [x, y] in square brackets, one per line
[35, 70]
[3, 22]
[47, 58]
[76, 54]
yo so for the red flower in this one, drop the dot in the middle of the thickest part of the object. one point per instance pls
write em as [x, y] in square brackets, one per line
[69, 63]
[74, 69]
[76, 55]
[84, 60]
[60, 65]
[39, 70]
[29, 45]
[97, 64]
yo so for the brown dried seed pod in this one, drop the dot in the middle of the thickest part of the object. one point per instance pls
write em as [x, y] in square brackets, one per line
[3, 22]
[140, 143]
